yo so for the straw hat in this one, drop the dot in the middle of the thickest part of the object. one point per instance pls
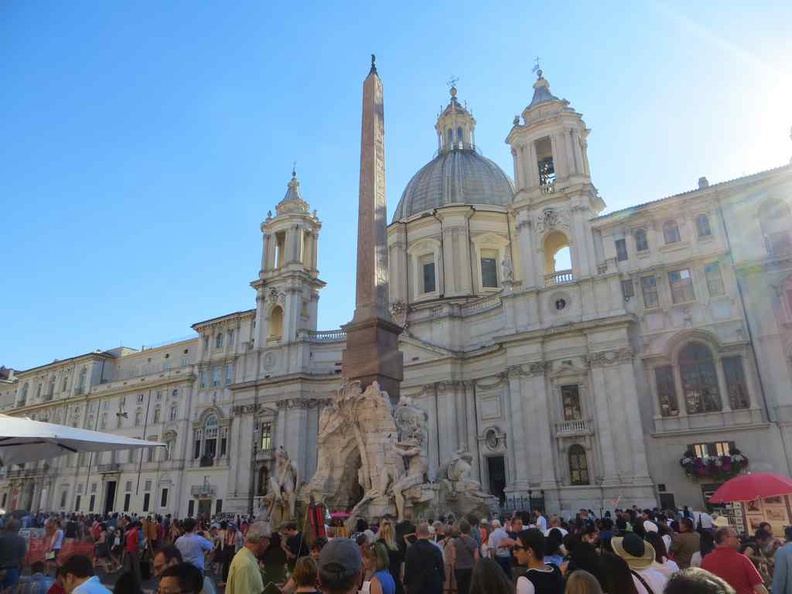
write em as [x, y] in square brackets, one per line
[638, 553]
[720, 522]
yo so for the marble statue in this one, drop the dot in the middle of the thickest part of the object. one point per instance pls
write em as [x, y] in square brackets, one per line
[411, 452]
[507, 269]
[282, 488]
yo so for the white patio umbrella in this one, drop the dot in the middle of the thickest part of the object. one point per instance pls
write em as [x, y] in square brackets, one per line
[24, 440]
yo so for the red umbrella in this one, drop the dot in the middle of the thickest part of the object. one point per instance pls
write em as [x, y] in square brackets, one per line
[748, 487]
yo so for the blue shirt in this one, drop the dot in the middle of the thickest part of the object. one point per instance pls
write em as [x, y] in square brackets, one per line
[782, 575]
[192, 547]
[91, 586]
[386, 581]
[38, 583]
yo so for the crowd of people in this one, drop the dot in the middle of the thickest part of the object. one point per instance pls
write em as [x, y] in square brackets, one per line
[628, 552]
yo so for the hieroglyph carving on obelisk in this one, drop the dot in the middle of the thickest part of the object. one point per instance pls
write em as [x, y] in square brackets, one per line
[371, 299]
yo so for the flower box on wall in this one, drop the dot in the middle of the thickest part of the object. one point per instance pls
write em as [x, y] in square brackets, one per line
[713, 467]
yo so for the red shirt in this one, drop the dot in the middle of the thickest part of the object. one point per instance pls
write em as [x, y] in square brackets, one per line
[733, 567]
[132, 539]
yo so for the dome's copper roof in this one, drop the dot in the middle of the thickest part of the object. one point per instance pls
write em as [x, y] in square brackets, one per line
[459, 176]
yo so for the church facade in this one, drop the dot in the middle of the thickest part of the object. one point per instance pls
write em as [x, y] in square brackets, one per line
[578, 357]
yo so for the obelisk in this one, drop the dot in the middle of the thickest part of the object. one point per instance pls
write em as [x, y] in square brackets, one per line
[372, 343]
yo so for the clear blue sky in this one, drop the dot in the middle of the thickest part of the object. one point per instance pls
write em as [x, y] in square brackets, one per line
[142, 143]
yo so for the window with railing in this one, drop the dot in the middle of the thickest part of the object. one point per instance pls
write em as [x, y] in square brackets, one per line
[570, 402]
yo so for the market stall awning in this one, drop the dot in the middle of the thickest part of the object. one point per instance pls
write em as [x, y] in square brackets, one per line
[748, 487]
[23, 440]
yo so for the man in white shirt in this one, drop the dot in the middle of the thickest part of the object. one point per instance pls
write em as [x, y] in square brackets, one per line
[539, 521]
[640, 555]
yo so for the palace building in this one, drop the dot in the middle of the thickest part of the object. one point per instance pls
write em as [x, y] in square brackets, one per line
[578, 356]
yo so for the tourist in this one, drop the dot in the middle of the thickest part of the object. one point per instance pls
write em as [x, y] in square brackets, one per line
[294, 544]
[499, 545]
[782, 575]
[54, 536]
[726, 562]
[79, 578]
[12, 553]
[449, 533]
[244, 576]
[697, 581]
[466, 555]
[184, 578]
[131, 550]
[387, 535]
[381, 580]
[537, 577]
[554, 554]
[580, 582]
[424, 572]
[488, 578]
[640, 556]
[685, 543]
[193, 547]
[762, 552]
[580, 555]
[340, 567]
[539, 521]
[37, 583]
[305, 576]
[661, 563]
[274, 560]
[614, 574]
[127, 583]
[169, 556]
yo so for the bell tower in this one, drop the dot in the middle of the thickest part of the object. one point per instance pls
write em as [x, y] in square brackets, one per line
[287, 290]
[554, 197]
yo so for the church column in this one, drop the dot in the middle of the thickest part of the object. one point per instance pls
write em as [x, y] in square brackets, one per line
[629, 399]
[559, 156]
[446, 425]
[265, 250]
[523, 229]
[472, 427]
[602, 426]
[518, 455]
[570, 151]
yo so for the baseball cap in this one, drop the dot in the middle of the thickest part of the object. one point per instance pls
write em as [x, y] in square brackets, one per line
[340, 556]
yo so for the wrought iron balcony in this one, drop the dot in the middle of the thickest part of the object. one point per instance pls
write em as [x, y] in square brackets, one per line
[559, 278]
[577, 427]
[202, 491]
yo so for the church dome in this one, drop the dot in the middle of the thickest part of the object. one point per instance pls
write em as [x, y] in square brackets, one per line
[459, 174]
[455, 176]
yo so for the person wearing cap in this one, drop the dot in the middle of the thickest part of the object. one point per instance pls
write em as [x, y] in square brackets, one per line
[424, 572]
[340, 567]
[640, 556]
[244, 576]
[734, 567]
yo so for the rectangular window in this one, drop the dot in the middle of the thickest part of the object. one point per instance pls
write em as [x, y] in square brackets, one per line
[266, 436]
[229, 373]
[191, 508]
[91, 503]
[93, 487]
[64, 494]
[197, 449]
[219, 506]
[146, 501]
[77, 502]
[570, 401]
[127, 501]
[128, 486]
[681, 286]
[140, 398]
[714, 279]
[489, 268]
[429, 284]
[223, 445]
[216, 376]
[148, 484]
[164, 498]
[621, 250]
[666, 391]
[628, 290]
[735, 382]
[649, 291]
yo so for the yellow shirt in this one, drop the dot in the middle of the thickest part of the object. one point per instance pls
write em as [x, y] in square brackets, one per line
[244, 576]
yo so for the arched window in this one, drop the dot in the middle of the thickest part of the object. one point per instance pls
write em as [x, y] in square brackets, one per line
[459, 134]
[38, 392]
[776, 221]
[699, 379]
[51, 389]
[23, 395]
[65, 385]
[103, 421]
[558, 259]
[641, 242]
[169, 439]
[276, 323]
[450, 136]
[138, 417]
[219, 340]
[703, 226]
[231, 338]
[210, 437]
[578, 465]
[81, 380]
[173, 413]
[157, 414]
[670, 232]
